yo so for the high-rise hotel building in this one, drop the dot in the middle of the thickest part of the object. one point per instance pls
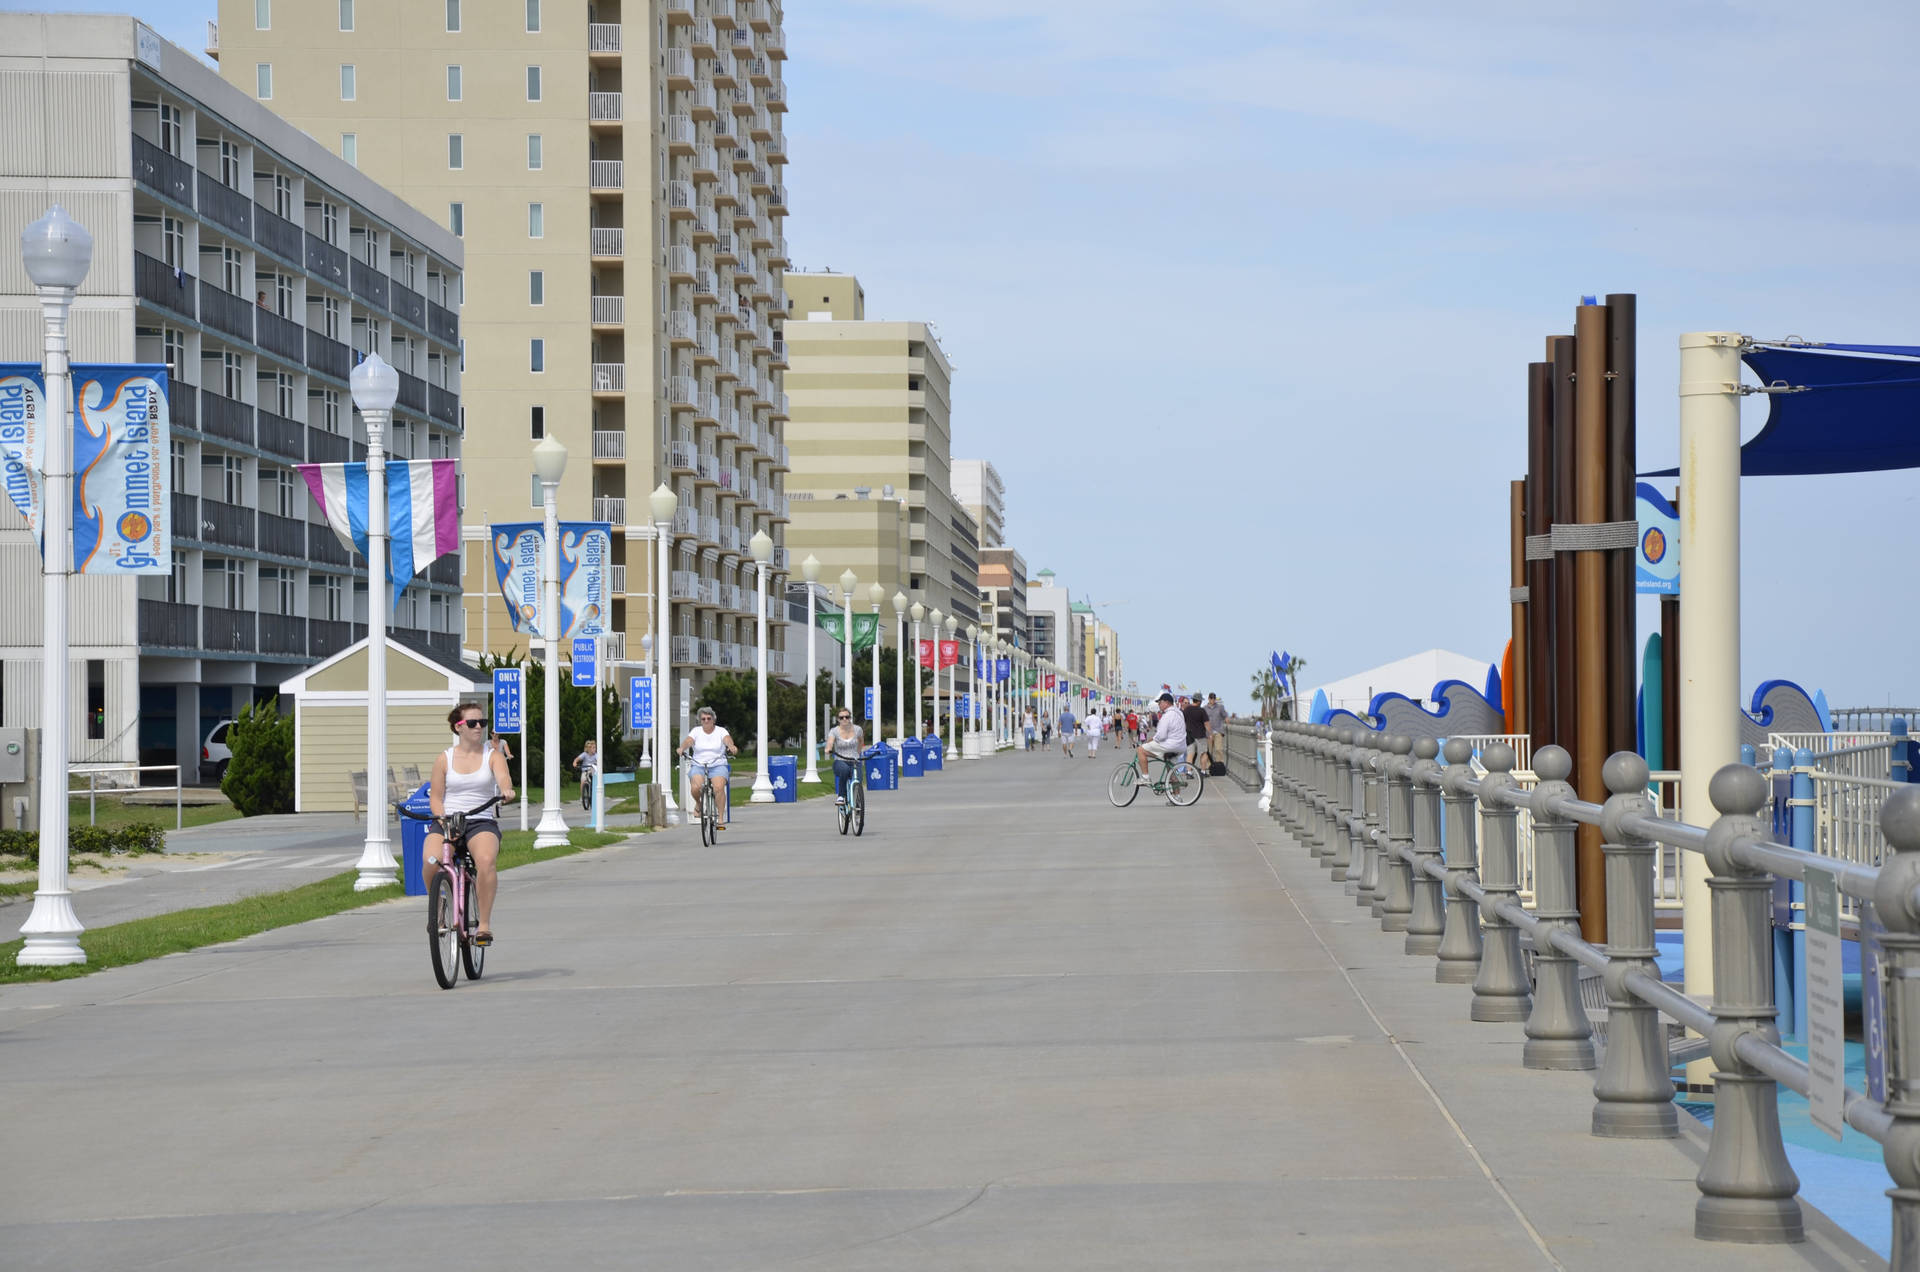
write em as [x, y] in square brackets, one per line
[615, 171]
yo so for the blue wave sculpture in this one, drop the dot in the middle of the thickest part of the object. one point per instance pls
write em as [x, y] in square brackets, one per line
[1463, 709]
[1779, 706]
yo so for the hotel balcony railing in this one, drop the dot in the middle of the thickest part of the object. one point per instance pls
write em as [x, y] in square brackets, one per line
[709, 528]
[169, 625]
[682, 456]
[279, 335]
[229, 631]
[324, 447]
[709, 469]
[609, 377]
[702, 102]
[685, 585]
[443, 405]
[227, 524]
[283, 634]
[609, 444]
[683, 390]
[679, 68]
[603, 37]
[225, 418]
[280, 436]
[282, 536]
[408, 305]
[685, 520]
[167, 174]
[610, 508]
[224, 311]
[369, 284]
[682, 326]
[186, 515]
[277, 234]
[327, 637]
[603, 108]
[160, 283]
[413, 393]
[609, 241]
[709, 653]
[224, 205]
[681, 134]
[443, 324]
[680, 198]
[606, 174]
[445, 570]
[685, 649]
[326, 260]
[324, 546]
[617, 579]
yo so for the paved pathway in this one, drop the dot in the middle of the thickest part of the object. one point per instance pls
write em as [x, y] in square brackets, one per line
[1009, 1028]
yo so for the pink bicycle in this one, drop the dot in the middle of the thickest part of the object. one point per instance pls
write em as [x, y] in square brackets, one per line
[451, 910]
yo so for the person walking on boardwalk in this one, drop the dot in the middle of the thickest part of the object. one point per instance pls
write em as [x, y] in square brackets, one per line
[1216, 729]
[1096, 726]
[1195, 716]
[1069, 727]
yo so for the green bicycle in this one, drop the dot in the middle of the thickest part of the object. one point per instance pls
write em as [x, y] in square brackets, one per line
[1178, 780]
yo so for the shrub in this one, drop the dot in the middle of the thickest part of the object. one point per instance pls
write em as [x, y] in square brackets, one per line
[134, 839]
[259, 778]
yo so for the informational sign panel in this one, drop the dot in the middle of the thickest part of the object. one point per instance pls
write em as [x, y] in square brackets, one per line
[586, 661]
[640, 704]
[965, 710]
[1657, 558]
[1826, 1009]
[507, 702]
[869, 701]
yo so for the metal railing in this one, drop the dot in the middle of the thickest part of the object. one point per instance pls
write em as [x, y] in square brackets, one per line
[610, 508]
[603, 37]
[609, 377]
[1432, 851]
[609, 310]
[606, 174]
[609, 240]
[603, 107]
[609, 444]
[92, 773]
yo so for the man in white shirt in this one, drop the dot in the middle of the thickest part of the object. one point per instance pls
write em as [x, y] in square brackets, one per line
[1096, 727]
[1169, 736]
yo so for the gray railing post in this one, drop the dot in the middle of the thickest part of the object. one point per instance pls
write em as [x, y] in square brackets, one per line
[1427, 920]
[1367, 893]
[1633, 1094]
[1894, 907]
[1346, 857]
[1558, 1035]
[1333, 832]
[1283, 792]
[1311, 811]
[1746, 1186]
[1396, 874]
[1300, 793]
[1500, 991]
[1459, 954]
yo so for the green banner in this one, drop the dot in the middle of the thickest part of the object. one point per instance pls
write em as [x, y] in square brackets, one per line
[865, 627]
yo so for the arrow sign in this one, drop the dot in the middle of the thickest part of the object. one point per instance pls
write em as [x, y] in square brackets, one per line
[586, 659]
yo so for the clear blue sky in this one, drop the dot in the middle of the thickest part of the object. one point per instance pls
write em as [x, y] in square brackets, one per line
[1241, 293]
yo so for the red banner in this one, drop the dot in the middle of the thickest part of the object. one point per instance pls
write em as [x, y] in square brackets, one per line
[1049, 684]
[925, 656]
[949, 654]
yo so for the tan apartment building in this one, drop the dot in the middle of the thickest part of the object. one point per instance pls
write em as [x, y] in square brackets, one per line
[1003, 595]
[977, 488]
[872, 423]
[615, 171]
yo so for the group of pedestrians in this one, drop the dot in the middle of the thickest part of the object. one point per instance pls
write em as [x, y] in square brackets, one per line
[1202, 727]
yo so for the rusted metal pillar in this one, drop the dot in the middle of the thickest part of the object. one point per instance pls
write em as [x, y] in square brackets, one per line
[1516, 692]
[1539, 486]
[1622, 506]
[1562, 509]
[1590, 629]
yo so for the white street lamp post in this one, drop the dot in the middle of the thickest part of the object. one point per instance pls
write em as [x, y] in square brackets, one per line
[810, 571]
[848, 581]
[953, 691]
[549, 462]
[663, 503]
[919, 612]
[762, 548]
[933, 727]
[972, 749]
[876, 594]
[900, 667]
[57, 252]
[376, 386]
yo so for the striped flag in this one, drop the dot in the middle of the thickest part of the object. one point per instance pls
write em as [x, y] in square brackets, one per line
[423, 511]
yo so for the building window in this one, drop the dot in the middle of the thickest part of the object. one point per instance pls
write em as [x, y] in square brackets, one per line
[173, 242]
[537, 356]
[533, 15]
[233, 268]
[537, 287]
[453, 83]
[536, 220]
[457, 219]
[350, 148]
[170, 129]
[533, 83]
[263, 81]
[230, 165]
[456, 151]
[346, 15]
[330, 317]
[177, 580]
[263, 15]
[537, 420]
[349, 83]
[533, 152]
[96, 699]
[453, 15]
[333, 595]
[534, 492]
[283, 196]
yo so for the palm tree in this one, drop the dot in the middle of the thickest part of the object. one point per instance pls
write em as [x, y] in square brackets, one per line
[1266, 691]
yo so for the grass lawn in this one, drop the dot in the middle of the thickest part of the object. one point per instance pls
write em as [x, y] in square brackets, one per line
[113, 812]
[141, 939]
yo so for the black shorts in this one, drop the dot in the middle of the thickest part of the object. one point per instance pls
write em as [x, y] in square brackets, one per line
[475, 826]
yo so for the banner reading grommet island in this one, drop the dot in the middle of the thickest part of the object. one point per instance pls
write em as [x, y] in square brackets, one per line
[122, 463]
[586, 548]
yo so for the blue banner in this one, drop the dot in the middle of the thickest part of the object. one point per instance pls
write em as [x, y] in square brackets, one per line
[1004, 669]
[586, 547]
[122, 465]
[1657, 558]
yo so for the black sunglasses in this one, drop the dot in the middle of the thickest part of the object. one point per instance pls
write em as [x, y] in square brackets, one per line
[473, 724]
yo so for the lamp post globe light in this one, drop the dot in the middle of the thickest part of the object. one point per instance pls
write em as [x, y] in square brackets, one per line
[376, 386]
[919, 612]
[953, 691]
[762, 549]
[900, 667]
[549, 464]
[848, 581]
[57, 252]
[663, 503]
[810, 571]
[876, 594]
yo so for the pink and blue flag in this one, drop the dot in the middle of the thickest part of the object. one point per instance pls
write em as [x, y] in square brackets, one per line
[423, 511]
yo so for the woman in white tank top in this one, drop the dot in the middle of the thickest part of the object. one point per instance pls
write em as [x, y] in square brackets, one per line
[467, 775]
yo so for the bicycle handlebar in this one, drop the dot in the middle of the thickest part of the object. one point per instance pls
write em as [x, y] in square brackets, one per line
[406, 812]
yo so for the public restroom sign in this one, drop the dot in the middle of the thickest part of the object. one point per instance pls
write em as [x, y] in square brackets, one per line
[122, 463]
[1657, 555]
[586, 549]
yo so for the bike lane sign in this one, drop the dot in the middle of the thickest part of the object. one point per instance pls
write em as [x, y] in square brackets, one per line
[640, 715]
[506, 700]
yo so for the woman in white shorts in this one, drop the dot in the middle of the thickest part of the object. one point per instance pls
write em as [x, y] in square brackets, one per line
[709, 746]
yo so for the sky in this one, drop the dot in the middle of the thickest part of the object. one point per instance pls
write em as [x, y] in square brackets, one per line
[1240, 294]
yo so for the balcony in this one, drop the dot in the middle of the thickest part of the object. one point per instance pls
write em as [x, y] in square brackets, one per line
[705, 224]
[327, 637]
[326, 260]
[779, 351]
[702, 39]
[682, 137]
[603, 38]
[709, 528]
[705, 289]
[777, 201]
[443, 405]
[776, 95]
[708, 469]
[224, 205]
[324, 546]
[407, 304]
[758, 13]
[609, 242]
[413, 393]
[682, 457]
[709, 653]
[685, 586]
[680, 199]
[226, 524]
[776, 146]
[225, 418]
[682, 263]
[683, 328]
[229, 631]
[706, 166]
[279, 335]
[685, 649]
[685, 520]
[325, 448]
[283, 536]
[283, 634]
[610, 508]
[445, 570]
[603, 108]
[760, 70]
[729, 368]
[224, 311]
[680, 12]
[163, 173]
[679, 70]
[707, 352]
[776, 45]
[609, 311]
[606, 174]
[281, 436]
[617, 579]
[725, 70]
[183, 403]
[742, 158]
[442, 324]
[609, 444]
[702, 101]
[160, 284]
[609, 377]
[369, 284]
[683, 391]
[169, 625]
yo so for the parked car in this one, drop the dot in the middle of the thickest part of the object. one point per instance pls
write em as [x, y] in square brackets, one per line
[215, 753]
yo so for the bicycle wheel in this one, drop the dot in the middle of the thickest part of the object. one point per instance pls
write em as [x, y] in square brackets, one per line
[1184, 784]
[1123, 786]
[586, 793]
[845, 810]
[706, 816]
[472, 957]
[443, 933]
[859, 807]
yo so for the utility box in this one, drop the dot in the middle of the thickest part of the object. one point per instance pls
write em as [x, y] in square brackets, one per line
[19, 779]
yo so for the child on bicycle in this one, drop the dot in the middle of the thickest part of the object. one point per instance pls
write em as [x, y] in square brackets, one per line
[845, 742]
[585, 763]
[467, 775]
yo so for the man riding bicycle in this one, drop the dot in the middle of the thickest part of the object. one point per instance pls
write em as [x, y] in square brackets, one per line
[467, 775]
[709, 746]
[1169, 741]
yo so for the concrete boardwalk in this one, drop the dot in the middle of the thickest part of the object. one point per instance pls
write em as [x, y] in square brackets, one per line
[1011, 1027]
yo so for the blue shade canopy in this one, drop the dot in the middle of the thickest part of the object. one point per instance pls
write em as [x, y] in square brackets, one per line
[1845, 414]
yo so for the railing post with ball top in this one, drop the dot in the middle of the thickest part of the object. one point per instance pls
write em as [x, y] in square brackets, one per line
[1500, 991]
[1896, 907]
[1396, 874]
[1427, 919]
[1633, 1095]
[1460, 945]
[1558, 1035]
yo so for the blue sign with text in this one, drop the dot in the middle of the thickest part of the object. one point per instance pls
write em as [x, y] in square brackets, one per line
[506, 700]
[869, 701]
[586, 662]
[640, 706]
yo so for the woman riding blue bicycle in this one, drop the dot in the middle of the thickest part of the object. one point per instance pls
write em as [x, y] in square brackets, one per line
[845, 742]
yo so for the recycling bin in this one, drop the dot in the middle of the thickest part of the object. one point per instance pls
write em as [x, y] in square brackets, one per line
[913, 757]
[880, 768]
[413, 844]
[784, 772]
[935, 755]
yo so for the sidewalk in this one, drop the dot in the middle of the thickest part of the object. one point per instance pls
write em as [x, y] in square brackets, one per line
[1011, 1027]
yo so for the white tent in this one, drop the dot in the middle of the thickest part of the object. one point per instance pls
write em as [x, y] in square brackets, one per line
[1414, 676]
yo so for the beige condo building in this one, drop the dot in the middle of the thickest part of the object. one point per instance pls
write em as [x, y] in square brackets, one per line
[615, 171]
[872, 444]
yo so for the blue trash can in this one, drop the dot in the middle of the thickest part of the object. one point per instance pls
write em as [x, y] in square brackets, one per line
[913, 757]
[880, 771]
[784, 772]
[413, 844]
[935, 755]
